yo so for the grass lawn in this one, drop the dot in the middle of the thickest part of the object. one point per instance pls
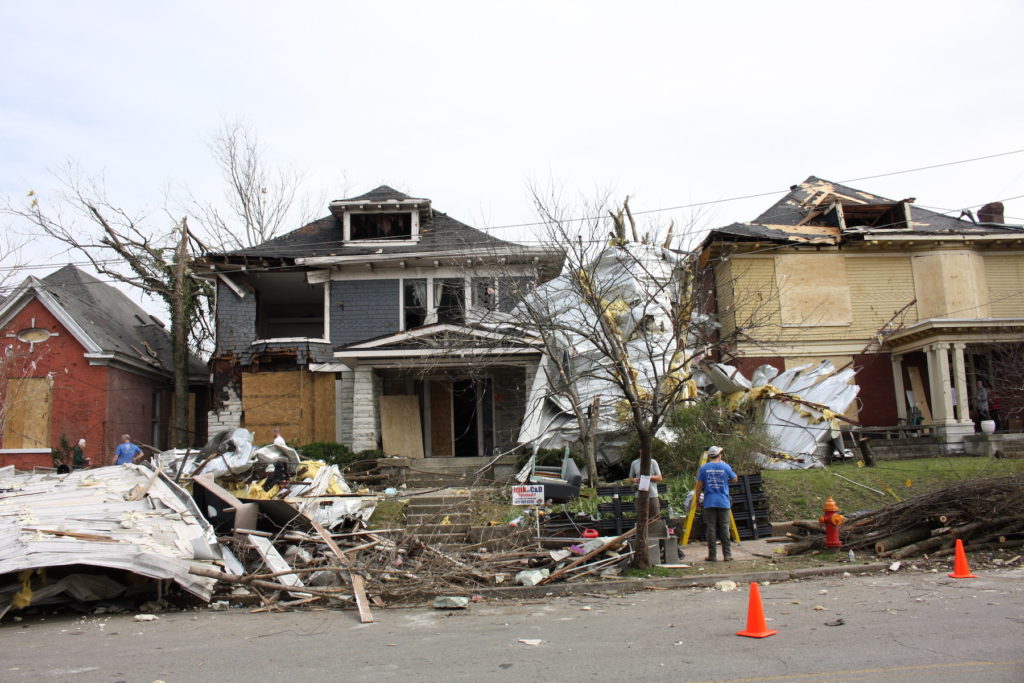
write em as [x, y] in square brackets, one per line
[799, 494]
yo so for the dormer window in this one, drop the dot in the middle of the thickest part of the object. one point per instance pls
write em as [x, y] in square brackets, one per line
[381, 217]
[390, 226]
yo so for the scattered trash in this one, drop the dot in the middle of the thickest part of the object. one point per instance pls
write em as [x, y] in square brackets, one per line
[531, 641]
[894, 566]
[451, 602]
[726, 586]
[146, 617]
[837, 622]
[532, 577]
[823, 592]
[819, 608]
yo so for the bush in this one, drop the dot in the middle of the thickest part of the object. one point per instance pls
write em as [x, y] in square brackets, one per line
[706, 423]
[335, 453]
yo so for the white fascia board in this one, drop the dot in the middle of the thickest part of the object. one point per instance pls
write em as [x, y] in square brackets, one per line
[357, 354]
[32, 286]
[239, 291]
[129, 364]
[951, 237]
[329, 367]
[427, 332]
[491, 253]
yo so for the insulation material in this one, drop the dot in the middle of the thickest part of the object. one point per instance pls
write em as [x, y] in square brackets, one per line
[119, 517]
[639, 286]
[799, 407]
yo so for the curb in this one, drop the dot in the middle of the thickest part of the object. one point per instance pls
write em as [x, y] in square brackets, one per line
[633, 585]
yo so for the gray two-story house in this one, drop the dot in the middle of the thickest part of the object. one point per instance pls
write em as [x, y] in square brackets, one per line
[352, 329]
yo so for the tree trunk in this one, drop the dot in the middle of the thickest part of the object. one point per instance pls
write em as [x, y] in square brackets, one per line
[590, 440]
[179, 342]
[640, 558]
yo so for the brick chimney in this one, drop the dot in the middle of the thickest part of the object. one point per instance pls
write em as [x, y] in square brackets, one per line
[991, 213]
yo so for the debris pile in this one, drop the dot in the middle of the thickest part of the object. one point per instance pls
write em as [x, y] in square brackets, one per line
[983, 513]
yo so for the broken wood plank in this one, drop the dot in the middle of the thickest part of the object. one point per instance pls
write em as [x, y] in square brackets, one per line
[358, 582]
[273, 559]
[592, 553]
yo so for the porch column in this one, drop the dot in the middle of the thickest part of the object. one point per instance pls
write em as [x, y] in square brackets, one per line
[364, 410]
[901, 394]
[963, 413]
[940, 385]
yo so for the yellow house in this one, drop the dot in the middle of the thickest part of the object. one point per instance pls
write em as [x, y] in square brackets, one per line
[927, 307]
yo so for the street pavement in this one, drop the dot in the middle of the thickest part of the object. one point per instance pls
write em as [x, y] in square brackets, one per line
[914, 626]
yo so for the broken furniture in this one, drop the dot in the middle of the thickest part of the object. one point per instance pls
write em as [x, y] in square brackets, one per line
[561, 484]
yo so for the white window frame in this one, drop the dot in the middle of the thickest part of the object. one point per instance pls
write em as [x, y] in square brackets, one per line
[325, 339]
[467, 287]
[347, 227]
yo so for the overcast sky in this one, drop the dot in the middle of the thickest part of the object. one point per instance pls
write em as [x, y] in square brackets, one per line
[465, 103]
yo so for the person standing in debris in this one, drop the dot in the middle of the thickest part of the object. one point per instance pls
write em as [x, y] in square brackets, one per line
[126, 451]
[653, 503]
[981, 400]
[713, 479]
[78, 459]
[278, 439]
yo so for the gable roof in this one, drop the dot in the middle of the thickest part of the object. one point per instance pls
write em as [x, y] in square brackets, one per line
[323, 237]
[793, 218]
[103, 319]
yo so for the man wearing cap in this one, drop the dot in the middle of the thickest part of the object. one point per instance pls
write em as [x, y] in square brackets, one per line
[713, 479]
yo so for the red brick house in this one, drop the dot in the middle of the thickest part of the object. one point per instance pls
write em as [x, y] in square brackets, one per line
[81, 360]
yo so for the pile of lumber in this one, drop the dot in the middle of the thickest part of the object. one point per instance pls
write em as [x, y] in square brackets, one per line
[983, 513]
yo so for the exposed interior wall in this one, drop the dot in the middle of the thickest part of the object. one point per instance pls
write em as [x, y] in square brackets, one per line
[299, 402]
[813, 289]
[951, 284]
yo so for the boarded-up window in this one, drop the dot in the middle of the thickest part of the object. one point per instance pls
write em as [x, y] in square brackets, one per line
[813, 289]
[27, 413]
[300, 403]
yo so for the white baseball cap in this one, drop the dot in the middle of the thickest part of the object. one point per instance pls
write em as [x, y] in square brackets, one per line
[714, 450]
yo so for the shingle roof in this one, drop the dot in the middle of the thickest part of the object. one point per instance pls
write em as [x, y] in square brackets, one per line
[323, 237]
[112, 320]
[787, 219]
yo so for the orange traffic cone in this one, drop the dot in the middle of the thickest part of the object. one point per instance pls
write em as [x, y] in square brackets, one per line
[756, 626]
[960, 568]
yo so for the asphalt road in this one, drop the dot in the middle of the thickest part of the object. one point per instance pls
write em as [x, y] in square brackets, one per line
[898, 627]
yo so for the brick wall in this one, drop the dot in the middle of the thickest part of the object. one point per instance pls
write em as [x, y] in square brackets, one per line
[363, 309]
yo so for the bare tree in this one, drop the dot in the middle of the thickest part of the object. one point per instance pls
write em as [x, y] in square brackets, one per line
[128, 249]
[621, 330]
[258, 200]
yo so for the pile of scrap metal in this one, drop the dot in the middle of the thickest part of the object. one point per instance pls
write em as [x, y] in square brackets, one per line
[640, 289]
[799, 408]
[271, 473]
[80, 537]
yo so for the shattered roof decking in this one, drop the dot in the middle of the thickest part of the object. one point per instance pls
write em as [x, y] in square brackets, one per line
[793, 218]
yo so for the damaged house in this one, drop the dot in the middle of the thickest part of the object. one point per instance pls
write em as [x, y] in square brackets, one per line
[352, 329]
[921, 304]
[82, 360]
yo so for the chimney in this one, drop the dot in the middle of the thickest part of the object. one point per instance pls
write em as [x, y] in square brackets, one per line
[991, 213]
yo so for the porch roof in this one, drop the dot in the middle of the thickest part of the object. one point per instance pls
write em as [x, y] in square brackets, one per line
[956, 330]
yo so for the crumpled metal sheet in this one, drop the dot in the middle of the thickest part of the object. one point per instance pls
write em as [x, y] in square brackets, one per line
[119, 517]
[795, 428]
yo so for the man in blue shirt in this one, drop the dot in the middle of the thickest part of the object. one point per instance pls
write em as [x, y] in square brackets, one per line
[126, 451]
[713, 479]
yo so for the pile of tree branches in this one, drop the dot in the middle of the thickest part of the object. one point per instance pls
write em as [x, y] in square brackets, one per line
[983, 513]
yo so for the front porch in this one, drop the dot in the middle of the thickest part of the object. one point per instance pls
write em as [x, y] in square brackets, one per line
[937, 366]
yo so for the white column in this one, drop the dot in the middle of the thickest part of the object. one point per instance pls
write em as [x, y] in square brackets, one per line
[963, 413]
[364, 410]
[901, 393]
[940, 385]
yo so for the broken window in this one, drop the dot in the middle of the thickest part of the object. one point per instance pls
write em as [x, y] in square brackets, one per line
[380, 226]
[414, 303]
[288, 307]
[450, 300]
[485, 294]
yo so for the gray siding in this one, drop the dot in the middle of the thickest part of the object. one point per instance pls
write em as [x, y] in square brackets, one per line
[236, 321]
[511, 289]
[363, 309]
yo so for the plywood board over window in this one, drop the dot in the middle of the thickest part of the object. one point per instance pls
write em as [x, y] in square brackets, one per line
[27, 413]
[813, 290]
[301, 403]
[400, 426]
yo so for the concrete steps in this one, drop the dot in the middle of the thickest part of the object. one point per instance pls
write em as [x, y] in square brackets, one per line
[440, 519]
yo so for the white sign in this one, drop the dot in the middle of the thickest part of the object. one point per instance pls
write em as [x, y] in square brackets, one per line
[528, 494]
